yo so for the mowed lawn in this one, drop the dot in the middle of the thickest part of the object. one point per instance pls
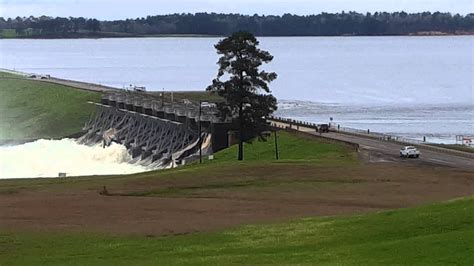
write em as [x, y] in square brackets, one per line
[32, 109]
[295, 151]
[291, 147]
[438, 234]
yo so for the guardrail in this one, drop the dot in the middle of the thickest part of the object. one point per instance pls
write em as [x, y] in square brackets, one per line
[376, 135]
[296, 124]
[336, 128]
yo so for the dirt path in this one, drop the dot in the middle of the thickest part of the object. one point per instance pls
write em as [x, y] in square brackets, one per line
[195, 202]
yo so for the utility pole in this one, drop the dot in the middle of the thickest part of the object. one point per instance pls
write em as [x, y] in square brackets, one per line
[276, 145]
[200, 135]
[163, 98]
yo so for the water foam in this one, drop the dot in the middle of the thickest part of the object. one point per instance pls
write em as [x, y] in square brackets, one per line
[48, 158]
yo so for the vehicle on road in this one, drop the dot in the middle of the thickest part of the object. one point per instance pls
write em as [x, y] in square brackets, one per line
[135, 88]
[322, 128]
[409, 152]
[139, 89]
[208, 105]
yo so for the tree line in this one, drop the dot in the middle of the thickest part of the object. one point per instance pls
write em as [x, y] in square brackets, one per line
[324, 24]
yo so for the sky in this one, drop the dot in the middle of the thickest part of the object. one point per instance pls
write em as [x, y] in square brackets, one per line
[120, 9]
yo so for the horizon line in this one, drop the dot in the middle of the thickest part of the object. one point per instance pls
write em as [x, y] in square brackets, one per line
[244, 14]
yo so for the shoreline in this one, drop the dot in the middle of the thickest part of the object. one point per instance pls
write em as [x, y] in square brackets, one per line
[89, 86]
[106, 36]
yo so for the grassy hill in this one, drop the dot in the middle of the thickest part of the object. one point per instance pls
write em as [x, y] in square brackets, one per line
[32, 109]
[295, 150]
[292, 147]
[310, 172]
[438, 234]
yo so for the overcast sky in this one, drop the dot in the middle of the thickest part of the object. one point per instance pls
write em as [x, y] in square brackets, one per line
[119, 9]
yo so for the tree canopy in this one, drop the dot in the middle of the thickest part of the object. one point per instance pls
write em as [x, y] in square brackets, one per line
[248, 101]
[324, 24]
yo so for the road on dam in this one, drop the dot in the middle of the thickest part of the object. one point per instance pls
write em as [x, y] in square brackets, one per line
[377, 150]
[380, 150]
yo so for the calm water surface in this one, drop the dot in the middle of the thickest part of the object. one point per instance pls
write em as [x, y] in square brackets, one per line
[411, 86]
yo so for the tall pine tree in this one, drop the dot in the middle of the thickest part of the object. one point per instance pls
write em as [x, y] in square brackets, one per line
[247, 96]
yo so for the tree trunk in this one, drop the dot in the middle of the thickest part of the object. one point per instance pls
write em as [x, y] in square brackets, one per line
[241, 135]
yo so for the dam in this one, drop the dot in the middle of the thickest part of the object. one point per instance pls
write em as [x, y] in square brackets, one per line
[156, 132]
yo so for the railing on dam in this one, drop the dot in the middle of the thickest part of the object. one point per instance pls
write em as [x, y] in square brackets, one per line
[155, 132]
[186, 112]
[307, 126]
[337, 128]
[154, 105]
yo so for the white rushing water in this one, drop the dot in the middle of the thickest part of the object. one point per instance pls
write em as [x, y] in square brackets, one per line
[48, 158]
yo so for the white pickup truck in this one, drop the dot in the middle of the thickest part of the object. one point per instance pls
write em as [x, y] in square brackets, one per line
[409, 151]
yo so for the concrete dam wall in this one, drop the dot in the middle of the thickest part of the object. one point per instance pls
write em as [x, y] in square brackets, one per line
[156, 133]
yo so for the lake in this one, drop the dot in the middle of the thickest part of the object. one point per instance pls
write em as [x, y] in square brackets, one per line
[410, 86]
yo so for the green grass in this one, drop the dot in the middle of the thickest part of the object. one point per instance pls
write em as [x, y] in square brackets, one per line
[32, 109]
[12, 33]
[10, 75]
[195, 96]
[291, 147]
[35, 33]
[296, 152]
[455, 147]
[438, 234]
[8, 33]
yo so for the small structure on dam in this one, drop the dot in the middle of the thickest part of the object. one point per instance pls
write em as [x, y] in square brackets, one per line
[155, 132]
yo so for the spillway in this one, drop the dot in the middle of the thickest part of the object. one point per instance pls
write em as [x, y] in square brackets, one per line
[48, 158]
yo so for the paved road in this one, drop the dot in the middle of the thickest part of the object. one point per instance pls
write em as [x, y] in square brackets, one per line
[79, 84]
[379, 150]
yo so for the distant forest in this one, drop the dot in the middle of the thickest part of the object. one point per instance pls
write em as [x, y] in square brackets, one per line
[324, 24]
